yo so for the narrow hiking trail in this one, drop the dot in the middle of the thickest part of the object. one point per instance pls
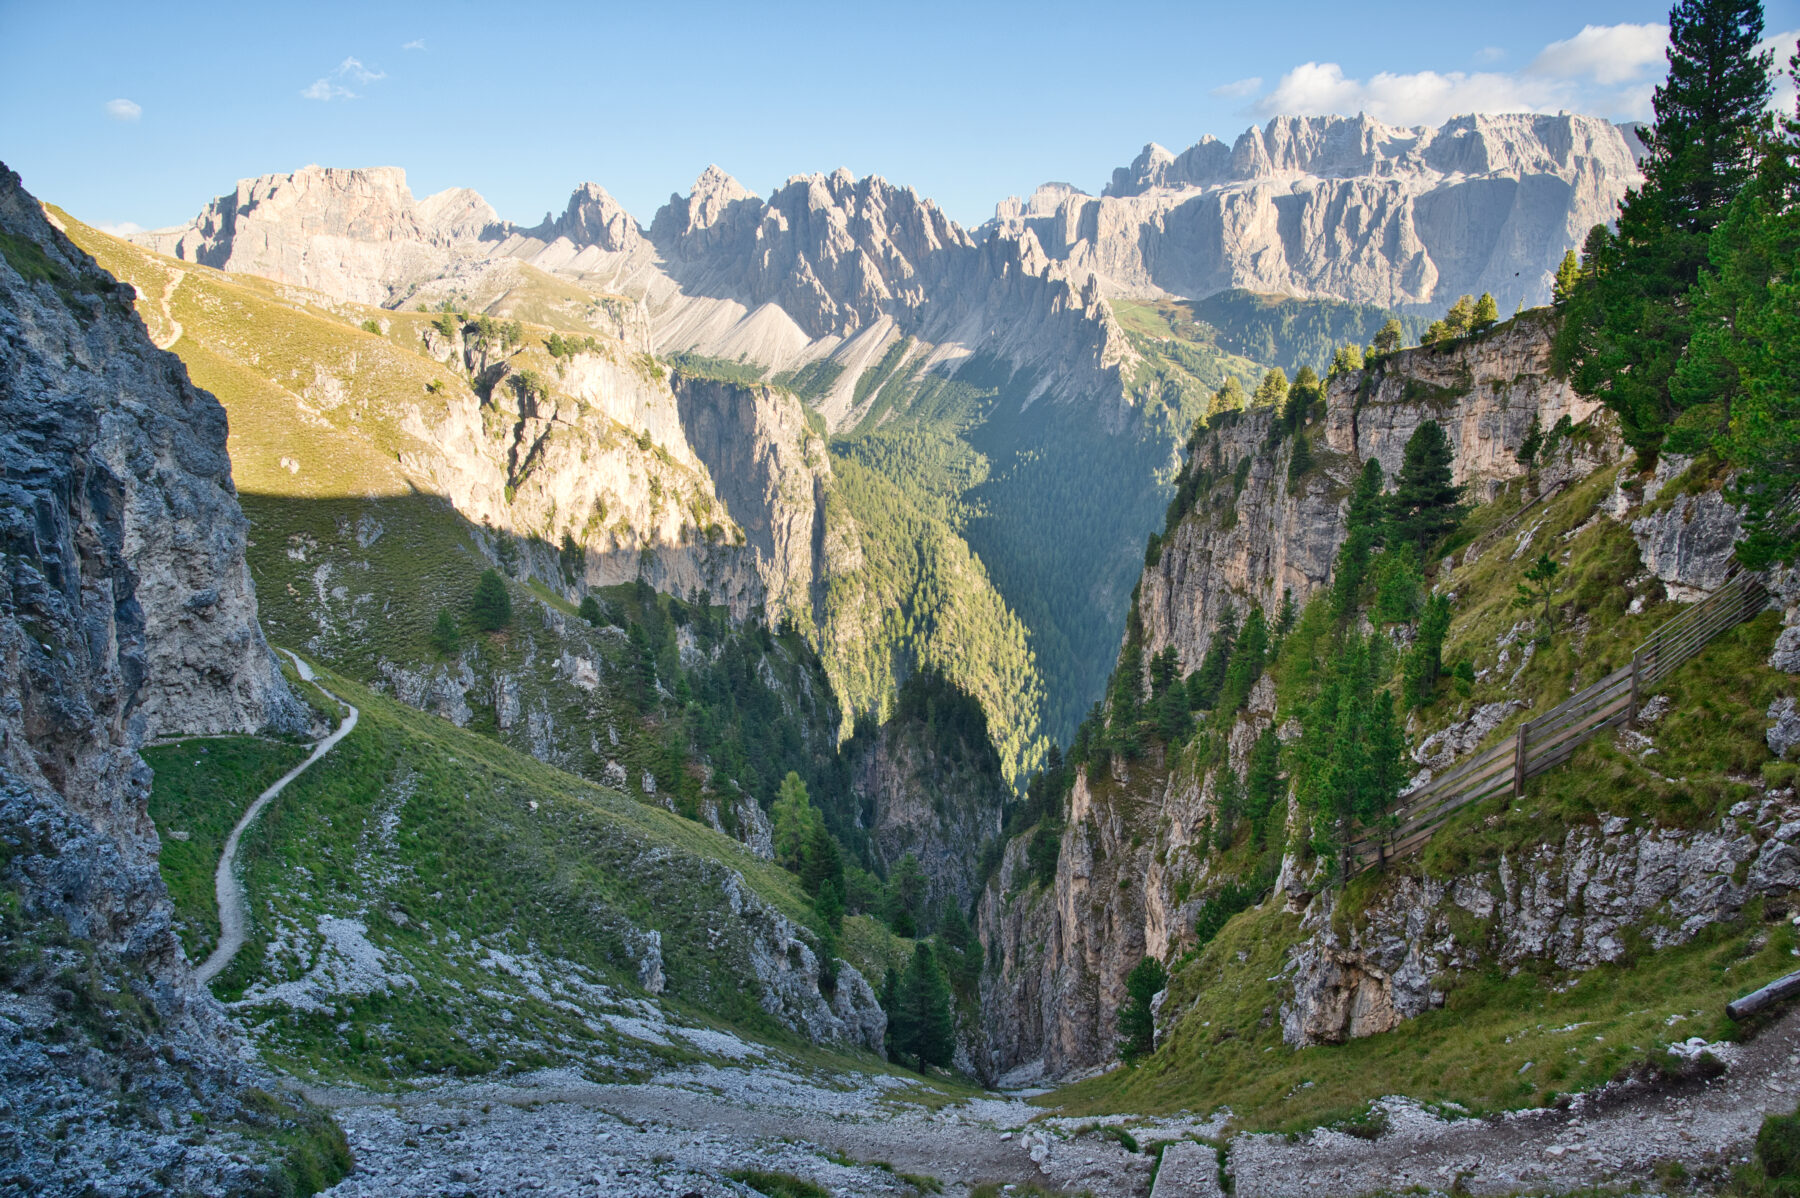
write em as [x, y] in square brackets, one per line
[175, 277]
[230, 892]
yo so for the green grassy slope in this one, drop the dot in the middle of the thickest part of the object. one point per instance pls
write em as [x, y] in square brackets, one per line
[496, 911]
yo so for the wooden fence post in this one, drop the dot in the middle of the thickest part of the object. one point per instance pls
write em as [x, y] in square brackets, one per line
[1519, 758]
[1631, 712]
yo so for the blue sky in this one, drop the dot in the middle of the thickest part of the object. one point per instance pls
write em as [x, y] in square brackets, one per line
[142, 112]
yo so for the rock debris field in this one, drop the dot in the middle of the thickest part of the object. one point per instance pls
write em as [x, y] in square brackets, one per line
[683, 1132]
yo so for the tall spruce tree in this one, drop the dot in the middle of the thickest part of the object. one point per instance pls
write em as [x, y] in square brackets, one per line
[1629, 317]
[1742, 369]
[1425, 504]
[928, 1030]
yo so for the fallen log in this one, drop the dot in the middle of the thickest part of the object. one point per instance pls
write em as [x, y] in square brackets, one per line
[1756, 1000]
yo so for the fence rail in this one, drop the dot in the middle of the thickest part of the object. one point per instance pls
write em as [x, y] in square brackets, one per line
[1552, 738]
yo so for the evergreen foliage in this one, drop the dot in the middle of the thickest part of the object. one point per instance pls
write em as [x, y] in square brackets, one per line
[444, 634]
[1228, 398]
[590, 611]
[1137, 1024]
[491, 608]
[1350, 761]
[906, 898]
[1540, 581]
[1629, 317]
[1740, 379]
[1426, 506]
[921, 1027]
[1425, 660]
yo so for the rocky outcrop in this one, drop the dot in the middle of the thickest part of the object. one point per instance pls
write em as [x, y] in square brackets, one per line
[773, 473]
[1345, 207]
[356, 234]
[1275, 534]
[928, 783]
[1573, 904]
[1687, 536]
[840, 256]
[104, 621]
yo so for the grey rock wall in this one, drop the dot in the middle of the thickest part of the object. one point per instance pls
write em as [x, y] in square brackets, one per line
[108, 624]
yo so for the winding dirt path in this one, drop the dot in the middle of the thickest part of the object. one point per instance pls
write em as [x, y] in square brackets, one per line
[230, 891]
[175, 277]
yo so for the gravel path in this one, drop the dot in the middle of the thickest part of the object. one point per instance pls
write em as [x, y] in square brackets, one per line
[679, 1135]
[1613, 1136]
[230, 891]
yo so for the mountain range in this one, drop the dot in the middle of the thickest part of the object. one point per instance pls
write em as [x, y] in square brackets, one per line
[1033, 368]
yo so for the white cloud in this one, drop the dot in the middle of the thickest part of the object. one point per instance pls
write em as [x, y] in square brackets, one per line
[331, 87]
[1239, 88]
[354, 69]
[1781, 47]
[1608, 69]
[1489, 55]
[418, 43]
[1420, 98]
[124, 228]
[1607, 54]
[123, 110]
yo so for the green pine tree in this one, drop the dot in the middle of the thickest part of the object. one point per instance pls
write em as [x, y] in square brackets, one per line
[906, 898]
[1137, 1025]
[1629, 318]
[1426, 505]
[1568, 276]
[1487, 313]
[1390, 338]
[590, 611]
[1741, 374]
[491, 609]
[821, 861]
[1272, 392]
[794, 818]
[444, 634]
[929, 1026]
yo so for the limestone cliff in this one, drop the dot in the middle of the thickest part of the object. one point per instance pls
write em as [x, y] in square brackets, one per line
[357, 234]
[928, 783]
[1345, 207]
[1138, 859]
[125, 608]
[1274, 534]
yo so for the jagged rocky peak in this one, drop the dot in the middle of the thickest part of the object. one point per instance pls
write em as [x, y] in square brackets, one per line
[593, 218]
[354, 233]
[1042, 202]
[715, 195]
[1347, 208]
[1343, 147]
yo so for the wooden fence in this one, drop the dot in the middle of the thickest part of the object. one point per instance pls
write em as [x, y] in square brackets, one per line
[1552, 738]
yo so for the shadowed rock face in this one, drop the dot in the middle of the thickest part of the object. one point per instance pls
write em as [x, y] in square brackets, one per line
[1348, 208]
[125, 608]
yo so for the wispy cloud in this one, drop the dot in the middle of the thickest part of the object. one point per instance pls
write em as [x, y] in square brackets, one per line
[418, 43]
[124, 228]
[1238, 88]
[123, 110]
[1609, 69]
[1607, 54]
[333, 86]
[1417, 98]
